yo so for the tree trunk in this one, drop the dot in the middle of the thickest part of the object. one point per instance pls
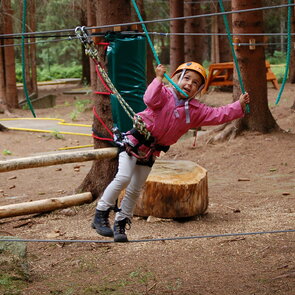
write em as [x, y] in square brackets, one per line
[174, 189]
[176, 41]
[85, 60]
[194, 45]
[252, 66]
[8, 57]
[55, 159]
[150, 71]
[224, 47]
[3, 105]
[214, 40]
[31, 50]
[103, 171]
[91, 22]
[45, 205]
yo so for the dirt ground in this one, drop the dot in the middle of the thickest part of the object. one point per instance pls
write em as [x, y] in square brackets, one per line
[247, 264]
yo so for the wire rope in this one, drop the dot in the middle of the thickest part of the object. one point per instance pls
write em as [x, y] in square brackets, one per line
[158, 20]
[149, 240]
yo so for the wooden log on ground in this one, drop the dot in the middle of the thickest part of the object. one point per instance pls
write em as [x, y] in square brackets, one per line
[45, 205]
[58, 158]
[174, 189]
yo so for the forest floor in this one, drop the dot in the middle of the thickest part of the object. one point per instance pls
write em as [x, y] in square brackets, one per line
[260, 264]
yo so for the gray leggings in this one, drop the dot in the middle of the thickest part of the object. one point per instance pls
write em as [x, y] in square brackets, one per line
[129, 176]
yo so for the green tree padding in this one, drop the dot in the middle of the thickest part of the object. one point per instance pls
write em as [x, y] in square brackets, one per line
[127, 69]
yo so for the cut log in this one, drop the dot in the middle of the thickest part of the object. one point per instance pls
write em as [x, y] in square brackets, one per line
[174, 189]
[58, 158]
[46, 205]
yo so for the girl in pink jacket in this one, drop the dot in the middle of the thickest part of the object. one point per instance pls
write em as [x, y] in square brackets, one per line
[169, 115]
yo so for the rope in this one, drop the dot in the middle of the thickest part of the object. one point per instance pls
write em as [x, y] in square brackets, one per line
[91, 51]
[288, 54]
[24, 60]
[153, 49]
[151, 240]
[157, 20]
[233, 52]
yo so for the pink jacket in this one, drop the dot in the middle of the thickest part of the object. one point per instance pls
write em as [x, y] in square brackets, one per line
[168, 118]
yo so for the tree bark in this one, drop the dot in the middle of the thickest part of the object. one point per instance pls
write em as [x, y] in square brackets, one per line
[45, 205]
[31, 68]
[91, 22]
[194, 45]
[102, 172]
[150, 71]
[224, 47]
[252, 66]
[174, 189]
[10, 97]
[55, 159]
[176, 41]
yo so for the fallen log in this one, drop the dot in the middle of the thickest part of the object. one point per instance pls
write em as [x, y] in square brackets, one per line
[45, 205]
[174, 189]
[58, 158]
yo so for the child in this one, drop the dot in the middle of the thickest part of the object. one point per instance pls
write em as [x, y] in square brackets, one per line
[169, 115]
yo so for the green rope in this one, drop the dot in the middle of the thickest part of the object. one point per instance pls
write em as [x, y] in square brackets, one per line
[23, 58]
[233, 52]
[153, 49]
[288, 53]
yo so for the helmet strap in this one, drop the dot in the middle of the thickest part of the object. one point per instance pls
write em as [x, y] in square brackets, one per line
[181, 76]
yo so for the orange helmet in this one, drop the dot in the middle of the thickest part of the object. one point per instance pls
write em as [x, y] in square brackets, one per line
[193, 66]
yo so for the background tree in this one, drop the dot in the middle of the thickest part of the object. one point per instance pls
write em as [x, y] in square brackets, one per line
[8, 90]
[253, 72]
[194, 45]
[103, 171]
[30, 50]
[176, 41]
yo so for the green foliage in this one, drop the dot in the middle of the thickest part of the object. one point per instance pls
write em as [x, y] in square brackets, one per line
[278, 57]
[56, 134]
[58, 56]
[80, 107]
[6, 152]
[10, 285]
[57, 71]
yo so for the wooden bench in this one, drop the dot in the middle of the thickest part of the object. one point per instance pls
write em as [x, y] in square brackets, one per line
[221, 74]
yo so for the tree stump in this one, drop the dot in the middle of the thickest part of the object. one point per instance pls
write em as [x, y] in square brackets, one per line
[174, 189]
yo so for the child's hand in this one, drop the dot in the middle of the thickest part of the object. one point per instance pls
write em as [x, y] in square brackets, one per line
[160, 71]
[244, 99]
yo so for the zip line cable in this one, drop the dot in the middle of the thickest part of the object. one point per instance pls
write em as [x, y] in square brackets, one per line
[70, 37]
[151, 240]
[157, 20]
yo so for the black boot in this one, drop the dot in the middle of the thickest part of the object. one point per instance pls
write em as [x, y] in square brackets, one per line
[101, 223]
[119, 230]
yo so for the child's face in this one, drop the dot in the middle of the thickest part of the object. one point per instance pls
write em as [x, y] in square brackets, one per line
[190, 83]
